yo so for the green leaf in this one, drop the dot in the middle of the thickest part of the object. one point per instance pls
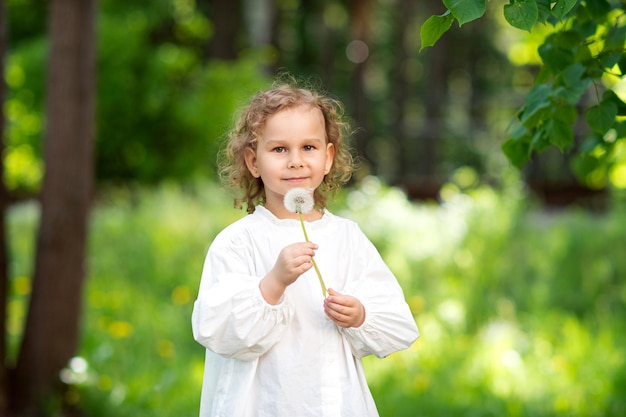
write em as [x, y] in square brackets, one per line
[563, 7]
[543, 10]
[539, 142]
[620, 128]
[569, 39]
[466, 10]
[622, 64]
[559, 133]
[537, 99]
[571, 94]
[609, 95]
[598, 9]
[555, 58]
[590, 143]
[584, 165]
[573, 74]
[601, 117]
[434, 28]
[516, 151]
[615, 39]
[574, 82]
[583, 23]
[566, 113]
[522, 14]
[609, 59]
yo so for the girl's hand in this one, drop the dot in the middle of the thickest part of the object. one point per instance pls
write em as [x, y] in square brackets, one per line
[293, 261]
[344, 310]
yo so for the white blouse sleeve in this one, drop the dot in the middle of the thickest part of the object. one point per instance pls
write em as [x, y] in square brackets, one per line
[389, 325]
[230, 316]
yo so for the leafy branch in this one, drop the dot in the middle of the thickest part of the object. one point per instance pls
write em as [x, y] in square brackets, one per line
[586, 44]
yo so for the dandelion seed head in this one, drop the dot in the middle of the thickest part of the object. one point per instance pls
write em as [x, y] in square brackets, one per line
[299, 200]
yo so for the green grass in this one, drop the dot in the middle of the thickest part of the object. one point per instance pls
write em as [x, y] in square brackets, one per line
[522, 312]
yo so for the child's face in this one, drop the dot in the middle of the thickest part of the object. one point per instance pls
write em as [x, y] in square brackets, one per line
[291, 152]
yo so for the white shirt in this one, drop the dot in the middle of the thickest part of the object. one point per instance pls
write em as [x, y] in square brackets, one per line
[289, 359]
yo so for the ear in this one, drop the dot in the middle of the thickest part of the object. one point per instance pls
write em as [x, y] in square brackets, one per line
[249, 155]
[330, 157]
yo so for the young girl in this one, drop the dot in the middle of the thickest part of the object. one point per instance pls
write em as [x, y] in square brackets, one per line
[274, 345]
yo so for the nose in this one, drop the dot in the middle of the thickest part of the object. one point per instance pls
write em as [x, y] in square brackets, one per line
[295, 160]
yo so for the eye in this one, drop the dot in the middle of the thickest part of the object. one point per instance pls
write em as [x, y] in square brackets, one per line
[309, 147]
[279, 149]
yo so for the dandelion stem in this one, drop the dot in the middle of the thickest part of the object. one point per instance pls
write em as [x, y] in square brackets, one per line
[317, 270]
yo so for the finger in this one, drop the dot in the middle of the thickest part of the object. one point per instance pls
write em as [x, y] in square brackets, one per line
[338, 315]
[305, 256]
[305, 266]
[308, 252]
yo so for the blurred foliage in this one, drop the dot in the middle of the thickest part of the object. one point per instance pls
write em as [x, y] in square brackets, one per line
[520, 309]
[579, 83]
[162, 108]
[164, 102]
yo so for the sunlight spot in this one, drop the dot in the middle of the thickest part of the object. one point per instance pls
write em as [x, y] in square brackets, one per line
[421, 382]
[465, 177]
[430, 326]
[21, 286]
[561, 404]
[463, 258]
[356, 200]
[105, 383]
[118, 394]
[610, 136]
[166, 348]
[197, 371]
[79, 365]
[357, 51]
[371, 185]
[449, 191]
[506, 308]
[120, 329]
[511, 358]
[523, 54]
[452, 312]
[168, 53]
[181, 295]
[15, 321]
[75, 372]
[97, 299]
[559, 363]
[617, 175]
[416, 304]
[335, 16]
[15, 76]
[22, 167]
[620, 88]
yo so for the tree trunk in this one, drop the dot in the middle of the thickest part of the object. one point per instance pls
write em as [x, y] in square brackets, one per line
[4, 272]
[51, 334]
[360, 14]
[436, 93]
[227, 20]
[401, 87]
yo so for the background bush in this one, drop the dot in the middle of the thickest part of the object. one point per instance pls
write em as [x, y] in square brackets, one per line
[521, 311]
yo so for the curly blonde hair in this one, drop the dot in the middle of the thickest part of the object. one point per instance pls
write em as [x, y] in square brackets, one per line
[250, 123]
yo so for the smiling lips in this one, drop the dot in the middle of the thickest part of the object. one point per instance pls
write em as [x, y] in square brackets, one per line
[296, 179]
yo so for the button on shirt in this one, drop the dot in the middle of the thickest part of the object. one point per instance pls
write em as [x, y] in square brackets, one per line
[289, 359]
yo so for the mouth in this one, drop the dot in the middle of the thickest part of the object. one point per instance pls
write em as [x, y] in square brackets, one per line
[296, 179]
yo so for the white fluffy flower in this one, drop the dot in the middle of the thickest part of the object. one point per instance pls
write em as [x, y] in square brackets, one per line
[299, 200]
